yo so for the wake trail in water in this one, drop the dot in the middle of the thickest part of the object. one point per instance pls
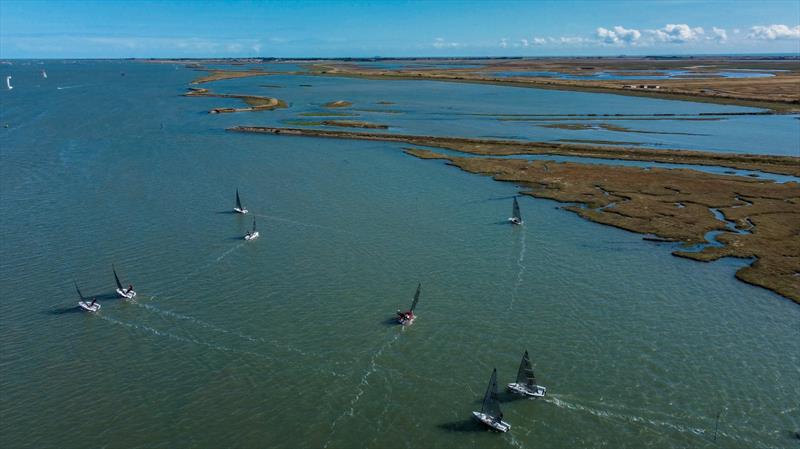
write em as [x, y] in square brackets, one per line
[216, 347]
[206, 265]
[640, 420]
[218, 329]
[299, 223]
[373, 367]
[520, 271]
[70, 87]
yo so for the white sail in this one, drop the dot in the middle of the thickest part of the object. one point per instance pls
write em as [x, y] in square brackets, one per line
[44, 74]
[8, 83]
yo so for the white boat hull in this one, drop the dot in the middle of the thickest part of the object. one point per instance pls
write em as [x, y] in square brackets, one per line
[538, 391]
[88, 307]
[252, 236]
[240, 211]
[515, 221]
[126, 295]
[498, 425]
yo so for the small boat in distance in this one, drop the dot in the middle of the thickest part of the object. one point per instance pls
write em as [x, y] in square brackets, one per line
[89, 306]
[526, 380]
[44, 74]
[8, 83]
[252, 235]
[126, 293]
[490, 413]
[407, 318]
[239, 209]
[515, 216]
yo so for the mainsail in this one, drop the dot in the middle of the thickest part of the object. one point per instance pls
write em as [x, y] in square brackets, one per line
[525, 374]
[8, 83]
[515, 210]
[254, 224]
[238, 202]
[119, 284]
[491, 406]
[416, 298]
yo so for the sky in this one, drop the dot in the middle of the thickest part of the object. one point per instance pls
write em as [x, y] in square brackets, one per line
[216, 28]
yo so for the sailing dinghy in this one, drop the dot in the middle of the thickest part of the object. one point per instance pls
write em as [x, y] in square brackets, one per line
[239, 209]
[85, 304]
[526, 380]
[252, 235]
[515, 216]
[407, 318]
[44, 74]
[8, 83]
[490, 413]
[126, 293]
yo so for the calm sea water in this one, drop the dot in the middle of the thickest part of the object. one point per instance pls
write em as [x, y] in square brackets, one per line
[285, 341]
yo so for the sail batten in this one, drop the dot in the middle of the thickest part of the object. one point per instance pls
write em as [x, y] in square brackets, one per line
[491, 406]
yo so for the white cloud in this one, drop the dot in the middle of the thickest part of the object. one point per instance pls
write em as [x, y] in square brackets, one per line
[676, 33]
[773, 32]
[524, 42]
[539, 41]
[719, 34]
[439, 42]
[503, 43]
[618, 35]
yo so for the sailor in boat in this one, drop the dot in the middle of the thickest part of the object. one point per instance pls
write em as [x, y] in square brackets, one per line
[94, 301]
[130, 289]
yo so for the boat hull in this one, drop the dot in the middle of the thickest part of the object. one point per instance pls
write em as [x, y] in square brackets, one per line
[240, 211]
[521, 389]
[515, 221]
[252, 236]
[500, 426]
[88, 307]
[128, 295]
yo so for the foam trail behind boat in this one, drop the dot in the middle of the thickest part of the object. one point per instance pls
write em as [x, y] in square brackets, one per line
[640, 420]
[298, 223]
[218, 329]
[520, 271]
[373, 367]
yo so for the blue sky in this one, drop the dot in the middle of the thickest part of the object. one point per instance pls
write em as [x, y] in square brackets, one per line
[120, 29]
